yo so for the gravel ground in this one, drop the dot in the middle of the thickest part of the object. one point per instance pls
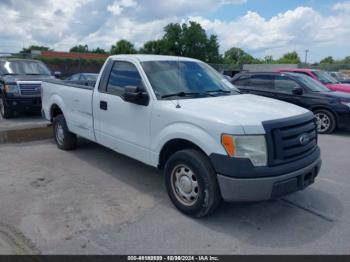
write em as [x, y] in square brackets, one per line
[95, 201]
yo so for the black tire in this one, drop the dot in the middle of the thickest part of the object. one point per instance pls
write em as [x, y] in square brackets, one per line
[4, 110]
[64, 139]
[208, 194]
[329, 122]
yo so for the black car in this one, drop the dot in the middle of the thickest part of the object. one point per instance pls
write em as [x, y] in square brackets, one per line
[332, 109]
[20, 85]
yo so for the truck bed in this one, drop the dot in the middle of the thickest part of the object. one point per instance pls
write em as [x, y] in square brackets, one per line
[76, 103]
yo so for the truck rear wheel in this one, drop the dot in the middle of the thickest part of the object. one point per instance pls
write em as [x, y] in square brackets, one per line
[191, 183]
[4, 110]
[63, 137]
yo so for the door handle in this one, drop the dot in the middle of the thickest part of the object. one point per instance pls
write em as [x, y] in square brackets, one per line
[103, 105]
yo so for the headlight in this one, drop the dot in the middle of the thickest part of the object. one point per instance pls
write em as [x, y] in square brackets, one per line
[11, 89]
[346, 104]
[251, 147]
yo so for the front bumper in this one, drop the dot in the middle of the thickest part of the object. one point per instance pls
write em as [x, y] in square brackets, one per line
[258, 188]
[30, 104]
[344, 120]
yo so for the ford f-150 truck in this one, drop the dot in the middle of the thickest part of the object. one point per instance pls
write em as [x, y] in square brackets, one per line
[180, 115]
[20, 85]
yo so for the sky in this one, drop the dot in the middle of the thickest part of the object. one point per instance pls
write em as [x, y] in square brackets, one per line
[260, 27]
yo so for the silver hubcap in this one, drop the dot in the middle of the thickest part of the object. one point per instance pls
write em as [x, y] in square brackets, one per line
[323, 122]
[185, 185]
[59, 134]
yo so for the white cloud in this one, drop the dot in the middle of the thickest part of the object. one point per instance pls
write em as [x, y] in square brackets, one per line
[296, 29]
[62, 24]
[118, 6]
[342, 6]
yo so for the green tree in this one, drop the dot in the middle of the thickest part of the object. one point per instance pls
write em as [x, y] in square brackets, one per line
[79, 49]
[268, 59]
[212, 52]
[123, 47]
[98, 51]
[195, 41]
[156, 47]
[327, 60]
[34, 47]
[237, 56]
[290, 58]
[173, 39]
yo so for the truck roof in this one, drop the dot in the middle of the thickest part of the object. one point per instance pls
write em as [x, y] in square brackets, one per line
[145, 58]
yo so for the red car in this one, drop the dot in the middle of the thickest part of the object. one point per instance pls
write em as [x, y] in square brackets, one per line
[320, 76]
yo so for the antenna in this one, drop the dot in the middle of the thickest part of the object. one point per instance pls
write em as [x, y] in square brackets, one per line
[178, 82]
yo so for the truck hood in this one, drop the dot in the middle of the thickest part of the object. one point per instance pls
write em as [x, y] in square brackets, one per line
[339, 87]
[8, 79]
[246, 110]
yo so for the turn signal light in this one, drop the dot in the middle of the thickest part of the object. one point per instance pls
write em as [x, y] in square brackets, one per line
[229, 145]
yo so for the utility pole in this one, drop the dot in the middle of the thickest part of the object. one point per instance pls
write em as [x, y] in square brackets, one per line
[306, 52]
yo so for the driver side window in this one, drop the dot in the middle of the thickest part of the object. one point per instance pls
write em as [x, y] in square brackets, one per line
[122, 74]
[285, 85]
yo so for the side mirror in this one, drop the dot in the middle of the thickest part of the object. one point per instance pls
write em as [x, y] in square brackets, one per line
[57, 74]
[136, 95]
[297, 91]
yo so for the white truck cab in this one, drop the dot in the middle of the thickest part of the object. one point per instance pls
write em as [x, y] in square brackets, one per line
[180, 115]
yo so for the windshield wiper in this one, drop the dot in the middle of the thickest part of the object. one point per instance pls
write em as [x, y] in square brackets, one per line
[218, 91]
[181, 94]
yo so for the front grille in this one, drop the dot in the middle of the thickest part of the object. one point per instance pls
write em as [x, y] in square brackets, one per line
[30, 89]
[290, 139]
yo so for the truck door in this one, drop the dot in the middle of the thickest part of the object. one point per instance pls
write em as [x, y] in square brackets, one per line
[120, 125]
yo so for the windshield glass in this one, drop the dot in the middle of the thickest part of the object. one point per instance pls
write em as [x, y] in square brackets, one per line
[325, 78]
[174, 77]
[312, 84]
[23, 67]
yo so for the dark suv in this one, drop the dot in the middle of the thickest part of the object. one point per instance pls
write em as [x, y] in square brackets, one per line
[20, 85]
[332, 109]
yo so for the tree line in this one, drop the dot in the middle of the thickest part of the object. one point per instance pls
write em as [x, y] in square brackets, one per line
[191, 40]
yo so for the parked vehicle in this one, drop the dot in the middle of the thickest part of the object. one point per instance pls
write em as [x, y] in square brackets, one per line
[332, 109]
[20, 85]
[83, 77]
[180, 115]
[340, 77]
[322, 77]
[86, 79]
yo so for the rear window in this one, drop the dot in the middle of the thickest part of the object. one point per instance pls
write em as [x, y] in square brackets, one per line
[262, 81]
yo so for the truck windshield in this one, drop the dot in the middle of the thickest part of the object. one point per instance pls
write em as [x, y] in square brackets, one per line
[23, 67]
[312, 84]
[186, 79]
[325, 78]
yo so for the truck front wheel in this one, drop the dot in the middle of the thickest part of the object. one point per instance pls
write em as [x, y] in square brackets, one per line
[63, 137]
[4, 110]
[191, 183]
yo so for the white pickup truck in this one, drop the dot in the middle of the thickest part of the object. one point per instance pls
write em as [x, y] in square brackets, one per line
[180, 115]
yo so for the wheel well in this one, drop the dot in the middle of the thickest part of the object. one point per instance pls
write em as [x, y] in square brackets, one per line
[173, 146]
[55, 111]
[327, 109]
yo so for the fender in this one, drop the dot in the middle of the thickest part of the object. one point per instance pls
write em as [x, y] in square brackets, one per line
[186, 131]
[321, 106]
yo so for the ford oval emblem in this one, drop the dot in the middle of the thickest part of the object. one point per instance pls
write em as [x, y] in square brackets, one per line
[304, 139]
